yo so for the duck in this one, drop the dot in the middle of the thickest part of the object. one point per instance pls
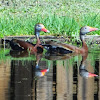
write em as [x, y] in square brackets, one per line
[82, 68]
[19, 45]
[62, 48]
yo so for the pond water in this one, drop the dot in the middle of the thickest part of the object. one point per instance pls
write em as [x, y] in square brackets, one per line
[49, 77]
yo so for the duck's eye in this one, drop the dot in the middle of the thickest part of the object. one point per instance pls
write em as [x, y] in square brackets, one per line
[85, 28]
[39, 26]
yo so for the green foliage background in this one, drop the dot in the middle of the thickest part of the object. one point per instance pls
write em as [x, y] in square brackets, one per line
[61, 17]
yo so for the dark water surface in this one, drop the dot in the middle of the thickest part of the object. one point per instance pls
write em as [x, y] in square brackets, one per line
[50, 78]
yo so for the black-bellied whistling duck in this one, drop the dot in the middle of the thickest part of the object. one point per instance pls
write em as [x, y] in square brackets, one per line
[82, 70]
[23, 45]
[61, 48]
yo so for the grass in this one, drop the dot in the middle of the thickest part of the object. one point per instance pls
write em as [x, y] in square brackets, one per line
[61, 17]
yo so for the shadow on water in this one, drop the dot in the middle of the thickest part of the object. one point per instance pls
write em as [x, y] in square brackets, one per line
[49, 77]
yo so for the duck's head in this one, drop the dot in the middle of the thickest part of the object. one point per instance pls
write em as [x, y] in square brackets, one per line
[40, 27]
[86, 29]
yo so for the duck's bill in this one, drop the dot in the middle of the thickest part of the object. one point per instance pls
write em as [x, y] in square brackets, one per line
[93, 29]
[92, 75]
[45, 30]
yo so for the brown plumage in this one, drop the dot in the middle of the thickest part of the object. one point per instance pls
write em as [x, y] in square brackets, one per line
[70, 48]
[23, 45]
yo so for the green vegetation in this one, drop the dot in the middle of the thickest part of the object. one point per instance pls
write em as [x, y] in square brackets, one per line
[61, 17]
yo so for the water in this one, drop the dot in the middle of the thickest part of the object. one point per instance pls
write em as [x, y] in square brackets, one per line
[51, 78]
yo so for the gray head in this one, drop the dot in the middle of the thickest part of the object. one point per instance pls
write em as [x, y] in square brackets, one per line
[40, 27]
[86, 29]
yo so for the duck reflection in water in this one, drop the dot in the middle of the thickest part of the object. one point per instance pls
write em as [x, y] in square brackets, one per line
[38, 71]
[59, 56]
[18, 54]
[82, 68]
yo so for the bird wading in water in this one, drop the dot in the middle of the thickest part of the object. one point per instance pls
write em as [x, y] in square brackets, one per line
[24, 45]
[61, 48]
